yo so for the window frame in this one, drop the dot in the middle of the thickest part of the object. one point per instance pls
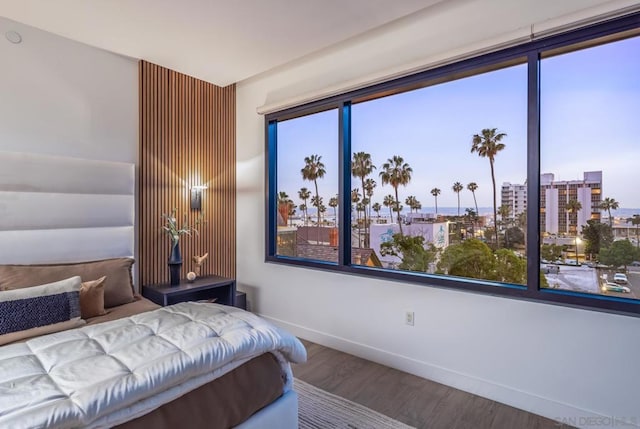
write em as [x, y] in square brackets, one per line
[531, 52]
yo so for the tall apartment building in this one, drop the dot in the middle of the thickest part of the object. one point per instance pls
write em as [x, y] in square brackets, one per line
[514, 196]
[554, 196]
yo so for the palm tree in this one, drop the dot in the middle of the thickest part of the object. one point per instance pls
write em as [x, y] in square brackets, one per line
[284, 203]
[504, 211]
[412, 202]
[283, 198]
[292, 212]
[573, 206]
[390, 202]
[471, 216]
[355, 199]
[635, 220]
[333, 202]
[609, 204]
[362, 166]
[396, 172]
[457, 187]
[522, 224]
[376, 208]
[303, 209]
[355, 195]
[360, 207]
[304, 194]
[487, 145]
[435, 192]
[316, 201]
[312, 171]
[397, 207]
[322, 208]
[473, 187]
[369, 186]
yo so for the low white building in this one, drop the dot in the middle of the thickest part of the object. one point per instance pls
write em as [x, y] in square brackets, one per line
[436, 233]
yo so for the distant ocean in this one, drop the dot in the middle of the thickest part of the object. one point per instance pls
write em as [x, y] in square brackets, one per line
[624, 213]
[484, 211]
[447, 211]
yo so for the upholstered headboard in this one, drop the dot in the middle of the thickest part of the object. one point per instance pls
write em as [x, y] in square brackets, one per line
[60, 209]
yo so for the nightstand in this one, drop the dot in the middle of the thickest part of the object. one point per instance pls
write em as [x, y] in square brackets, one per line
[203, 288]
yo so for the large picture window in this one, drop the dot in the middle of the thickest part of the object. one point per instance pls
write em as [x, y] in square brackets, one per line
[512, 173]
[439, 160]
[307, 187]
[590, 147]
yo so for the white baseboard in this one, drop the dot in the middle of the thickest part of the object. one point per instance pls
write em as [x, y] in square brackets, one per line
[558, 411]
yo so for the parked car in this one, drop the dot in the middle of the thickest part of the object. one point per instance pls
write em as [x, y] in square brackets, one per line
[635, 264]
[620, 278]
[614, 287]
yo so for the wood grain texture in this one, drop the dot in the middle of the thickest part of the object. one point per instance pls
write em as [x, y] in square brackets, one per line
[187, 138]
[410, 399]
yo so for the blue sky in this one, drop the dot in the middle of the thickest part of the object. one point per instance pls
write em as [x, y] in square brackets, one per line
[590, 120]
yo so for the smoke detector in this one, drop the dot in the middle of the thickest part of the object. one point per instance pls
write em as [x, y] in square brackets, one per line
[13, 36]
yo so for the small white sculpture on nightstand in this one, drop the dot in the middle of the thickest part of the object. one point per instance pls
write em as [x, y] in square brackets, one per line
[199, 260]
[191, 276]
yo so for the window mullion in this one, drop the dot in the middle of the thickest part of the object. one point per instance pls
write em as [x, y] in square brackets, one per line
[344, 161]
[271, 185]
[533, 173]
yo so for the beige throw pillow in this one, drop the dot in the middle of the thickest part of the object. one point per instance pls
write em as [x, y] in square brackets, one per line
[118, 288]
[92, 298]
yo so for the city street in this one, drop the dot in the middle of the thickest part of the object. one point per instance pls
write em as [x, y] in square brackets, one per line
[571, 277]
[585, 279]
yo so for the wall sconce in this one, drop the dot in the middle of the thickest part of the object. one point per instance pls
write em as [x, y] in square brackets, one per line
[196, 197]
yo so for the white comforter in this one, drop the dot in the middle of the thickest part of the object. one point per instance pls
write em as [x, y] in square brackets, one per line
[106, 374]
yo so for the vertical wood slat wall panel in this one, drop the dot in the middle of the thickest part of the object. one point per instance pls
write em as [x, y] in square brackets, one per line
[187, 138]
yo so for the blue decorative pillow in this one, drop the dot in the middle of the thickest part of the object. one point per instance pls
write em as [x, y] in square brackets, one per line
[36, 306]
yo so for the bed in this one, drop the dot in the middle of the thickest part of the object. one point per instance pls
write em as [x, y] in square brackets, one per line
[138, 365]
[48, 220]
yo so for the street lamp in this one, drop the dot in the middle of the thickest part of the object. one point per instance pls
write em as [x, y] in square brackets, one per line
[578, 240]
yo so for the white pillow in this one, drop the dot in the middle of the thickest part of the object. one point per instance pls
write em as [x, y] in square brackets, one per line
[36, 306]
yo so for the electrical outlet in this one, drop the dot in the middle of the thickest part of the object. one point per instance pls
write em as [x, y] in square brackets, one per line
[409, 318]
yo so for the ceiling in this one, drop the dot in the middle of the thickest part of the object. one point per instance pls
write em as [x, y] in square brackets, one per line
[220, 41]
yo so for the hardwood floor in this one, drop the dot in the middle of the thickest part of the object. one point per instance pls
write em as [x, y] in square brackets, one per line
[407, 398]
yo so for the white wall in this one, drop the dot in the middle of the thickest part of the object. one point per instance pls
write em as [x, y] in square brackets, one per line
[556, 361]
[68, 149]
[60, 97]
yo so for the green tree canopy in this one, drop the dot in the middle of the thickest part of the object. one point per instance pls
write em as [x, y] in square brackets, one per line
[596, 236]
[550, 252]
[471, 258]
[513, 236]
[510, 268]
[411, 250]
[620, 253]
[635, 220]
